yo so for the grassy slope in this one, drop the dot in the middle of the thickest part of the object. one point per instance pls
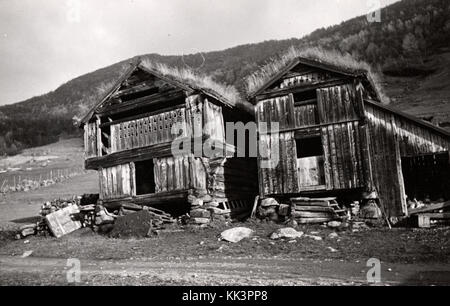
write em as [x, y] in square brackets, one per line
[424, 96]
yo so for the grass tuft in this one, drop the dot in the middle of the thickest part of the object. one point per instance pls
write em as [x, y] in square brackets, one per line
[196, 80]
[331, 57]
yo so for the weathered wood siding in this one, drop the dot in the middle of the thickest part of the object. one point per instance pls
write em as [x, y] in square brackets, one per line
[281, 177]
[146, 131]
[279, 109]
[338, 103]
[385, 158]
[214, 126]
[117, 181]
[343, 162]
[306, 115]
[90, 140]
[414, 139]
[392, 136]
[179, 173]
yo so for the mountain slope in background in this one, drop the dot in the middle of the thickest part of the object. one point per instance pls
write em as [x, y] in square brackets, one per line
[409, 46]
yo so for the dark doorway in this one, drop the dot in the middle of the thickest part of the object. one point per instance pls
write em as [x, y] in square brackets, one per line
[427, 176]
[145, 177]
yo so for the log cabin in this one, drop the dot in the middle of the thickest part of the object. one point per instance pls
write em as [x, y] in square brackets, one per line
[129, 133]
[336, 137]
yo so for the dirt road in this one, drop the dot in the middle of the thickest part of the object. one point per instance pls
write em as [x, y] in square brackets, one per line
[16, 270]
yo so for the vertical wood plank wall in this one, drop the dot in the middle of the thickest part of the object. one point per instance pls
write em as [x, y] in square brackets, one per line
[391, 137]
[343, 165]
[338, 111]
[90, 140]
[281, 177]
[179, 173]
[116, 182]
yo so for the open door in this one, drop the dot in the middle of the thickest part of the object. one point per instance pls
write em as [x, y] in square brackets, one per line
[310, 163]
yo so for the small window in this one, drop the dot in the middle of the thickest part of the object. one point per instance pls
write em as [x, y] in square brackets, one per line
[311, 146]
[309, 95]
[145, 178]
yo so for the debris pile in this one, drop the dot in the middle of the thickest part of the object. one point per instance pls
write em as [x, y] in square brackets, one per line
[301, 210]
[431, 215]
[270, 209]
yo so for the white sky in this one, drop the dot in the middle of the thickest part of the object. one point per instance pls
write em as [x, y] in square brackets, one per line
[44, 43]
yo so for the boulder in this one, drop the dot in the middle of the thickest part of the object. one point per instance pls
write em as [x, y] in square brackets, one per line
[286, 232]
[269, 202]
[236, 234]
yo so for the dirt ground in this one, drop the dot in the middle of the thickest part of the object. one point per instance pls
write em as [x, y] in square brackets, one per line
[186, 256]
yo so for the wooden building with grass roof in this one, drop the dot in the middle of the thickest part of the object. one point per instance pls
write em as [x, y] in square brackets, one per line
[338, 136]
[129, 137]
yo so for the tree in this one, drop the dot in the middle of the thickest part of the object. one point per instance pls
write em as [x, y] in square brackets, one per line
[410, 45]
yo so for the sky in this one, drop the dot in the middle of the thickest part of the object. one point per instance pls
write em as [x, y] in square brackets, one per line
[45, 43]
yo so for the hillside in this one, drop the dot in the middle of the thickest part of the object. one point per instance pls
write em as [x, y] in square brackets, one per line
[410, 47]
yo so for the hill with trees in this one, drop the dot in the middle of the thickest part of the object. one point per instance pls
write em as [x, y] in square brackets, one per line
[409, 47]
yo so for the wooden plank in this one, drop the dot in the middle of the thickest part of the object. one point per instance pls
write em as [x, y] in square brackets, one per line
[313, 214]
[61, 222]
[312, 220]
[429, 208]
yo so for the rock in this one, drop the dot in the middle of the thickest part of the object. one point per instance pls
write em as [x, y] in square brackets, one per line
[200, 213]
[370, 211]
[283, 209]
[213, 204]
[200, 220]
[236, 234]
[269, 202]
[286, 232]
[317, 238]
[26, 254]
[333, 235]
[292, 223]
[264, 212]
[332, 249]
[334, 224]
[27, 231]
[218, 211]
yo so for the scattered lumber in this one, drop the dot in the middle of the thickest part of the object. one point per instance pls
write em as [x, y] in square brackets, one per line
[432, 214]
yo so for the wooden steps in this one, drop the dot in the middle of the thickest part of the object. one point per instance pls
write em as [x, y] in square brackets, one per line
[316, 210]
